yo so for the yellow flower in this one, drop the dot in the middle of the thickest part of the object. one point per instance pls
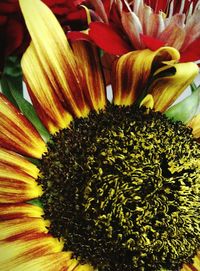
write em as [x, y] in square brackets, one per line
[121, 172]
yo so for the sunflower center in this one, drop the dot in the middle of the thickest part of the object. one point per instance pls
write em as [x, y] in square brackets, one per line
[121, 188]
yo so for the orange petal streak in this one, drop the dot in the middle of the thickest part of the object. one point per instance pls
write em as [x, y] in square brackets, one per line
[45, 100]
[17, 161]
[89, 63]
[17, 228]
[55, 57]
[51, 262]
[17, 186]
[19, 210]
[30, 246]
[17, 133]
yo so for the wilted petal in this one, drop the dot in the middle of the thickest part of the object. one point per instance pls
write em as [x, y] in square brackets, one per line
[17, 133]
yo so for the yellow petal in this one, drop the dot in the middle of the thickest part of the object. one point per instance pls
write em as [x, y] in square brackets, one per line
[18, 228]
[17, 161]
[17, 133]
[148, 101]
[167, 88]
[84, 267]
[16, 185]
[89, 62]
[55, 56]
[51, 262]
[194, 123]
[132, 72]
[20, 210]
[16, 252]
[49, 108]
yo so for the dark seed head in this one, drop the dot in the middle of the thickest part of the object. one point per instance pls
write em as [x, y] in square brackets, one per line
[121, 187]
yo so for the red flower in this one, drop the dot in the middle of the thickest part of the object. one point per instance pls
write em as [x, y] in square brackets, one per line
[138, 26]
[14, 36]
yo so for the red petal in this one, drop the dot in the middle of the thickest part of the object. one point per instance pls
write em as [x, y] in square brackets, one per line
[151, 43]
[107, 38]
[192, 52]
[76, 35]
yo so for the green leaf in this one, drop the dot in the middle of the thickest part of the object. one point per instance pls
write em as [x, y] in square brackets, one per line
[35, 202]
[25, 107]
[12, 88]
[187, 108]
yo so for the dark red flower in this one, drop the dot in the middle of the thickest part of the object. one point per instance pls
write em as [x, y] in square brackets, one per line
[14, 36]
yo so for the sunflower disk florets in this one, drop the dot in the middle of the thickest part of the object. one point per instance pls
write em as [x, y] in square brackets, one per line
[121, 188]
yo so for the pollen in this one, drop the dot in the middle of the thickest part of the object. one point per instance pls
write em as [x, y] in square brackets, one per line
[122, 190]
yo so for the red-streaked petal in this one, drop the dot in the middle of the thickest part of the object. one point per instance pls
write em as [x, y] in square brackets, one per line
[46, 102]
[55, 57]
[19, 210]
[174, 34]
[132, 27]
[17, 161]
[16, 252]
[17, 133]
[151, 43]
[17, 228]
[50, 262]
[192, 29]
[132, 72]
[17, 186]
[107, 38]
[89, 62]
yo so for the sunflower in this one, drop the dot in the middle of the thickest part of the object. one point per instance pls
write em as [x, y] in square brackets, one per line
[116, 185]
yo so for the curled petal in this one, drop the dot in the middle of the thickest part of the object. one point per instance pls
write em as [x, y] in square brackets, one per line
[170, 82]
[55, 57]
[17, 133]
[132, 73]
[92, 78]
